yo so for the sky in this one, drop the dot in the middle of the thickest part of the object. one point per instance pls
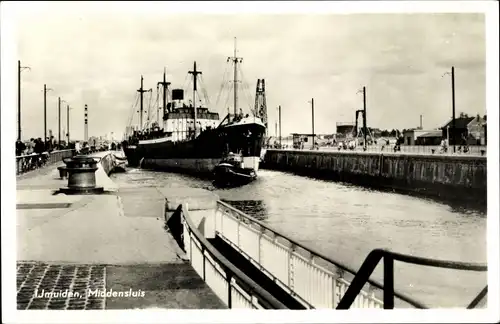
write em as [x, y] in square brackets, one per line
[97, 58]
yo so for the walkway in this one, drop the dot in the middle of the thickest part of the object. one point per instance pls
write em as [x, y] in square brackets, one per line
[92, 245]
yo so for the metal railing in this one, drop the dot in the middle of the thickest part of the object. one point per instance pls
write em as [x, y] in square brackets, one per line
[230, 284]
[312, 278]
[373, 259]
[29, 162]
[475, 150]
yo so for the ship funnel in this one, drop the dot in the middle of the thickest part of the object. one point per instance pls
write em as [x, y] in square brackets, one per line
[177, 94]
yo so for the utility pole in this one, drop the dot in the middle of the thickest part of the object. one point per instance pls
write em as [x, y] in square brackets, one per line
[195, 77]
[421, 122]
[235, 60]
[165, 85]
[141, 91]
[45, 114]
[45, 89]
[364, 117]
[19, 69]
[279, 117]
[67, 121]
[312, 108]
[59, 121]
[453, 107]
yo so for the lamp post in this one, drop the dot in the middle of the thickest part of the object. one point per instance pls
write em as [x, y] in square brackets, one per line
[45, 89]
[312, 115]
[19, 70]
[67, 122]
[279, 117]
[453, 105]
[59, 120]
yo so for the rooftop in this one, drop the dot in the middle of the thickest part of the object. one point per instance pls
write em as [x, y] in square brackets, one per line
[432, 134]
[460, 122]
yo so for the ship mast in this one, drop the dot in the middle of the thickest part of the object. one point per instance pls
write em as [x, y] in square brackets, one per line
[141, 91]
[165, 85]
[235, 60]
[195, 75]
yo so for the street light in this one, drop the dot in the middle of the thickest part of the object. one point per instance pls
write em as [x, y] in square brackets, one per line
[59, 120]
[19, 70]
[312, 112]
[67, 121]
[45, 89]
[279, 120]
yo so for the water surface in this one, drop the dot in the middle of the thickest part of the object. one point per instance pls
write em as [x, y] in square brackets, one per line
[346, 222]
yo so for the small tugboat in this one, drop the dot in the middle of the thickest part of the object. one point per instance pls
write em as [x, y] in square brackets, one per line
[231, 172]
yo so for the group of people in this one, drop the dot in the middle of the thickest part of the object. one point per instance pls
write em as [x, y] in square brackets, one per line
[35, 145]
[464, 147]
[38, 146]
[145, 135]
[351, 145]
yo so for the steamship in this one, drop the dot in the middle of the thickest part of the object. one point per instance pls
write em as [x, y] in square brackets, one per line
[193, 139]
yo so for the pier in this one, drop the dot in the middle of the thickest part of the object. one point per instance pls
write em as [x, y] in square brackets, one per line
[141, 246]
[448, 177]
[107, 242]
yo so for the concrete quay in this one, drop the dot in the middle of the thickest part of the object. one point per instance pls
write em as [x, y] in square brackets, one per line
[447, 177]
[107, 251]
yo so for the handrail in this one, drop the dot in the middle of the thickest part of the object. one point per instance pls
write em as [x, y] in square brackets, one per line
[478, 298]
[362, 276]
[389, 257]
[233, 271]
[455, 156]
[294, 242]
[34, 161]
[39, 154]
[311, 250]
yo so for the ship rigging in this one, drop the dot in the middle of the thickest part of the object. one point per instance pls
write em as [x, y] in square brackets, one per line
[191, 137]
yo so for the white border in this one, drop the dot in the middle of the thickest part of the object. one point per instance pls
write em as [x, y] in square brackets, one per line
[8, 103]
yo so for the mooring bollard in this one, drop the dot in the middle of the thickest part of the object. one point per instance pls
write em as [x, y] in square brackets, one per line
[81, 175]
[63, 172]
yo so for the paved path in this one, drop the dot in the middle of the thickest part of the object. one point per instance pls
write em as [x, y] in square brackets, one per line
[91, 244]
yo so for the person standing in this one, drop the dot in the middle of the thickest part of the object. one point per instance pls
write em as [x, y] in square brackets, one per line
[39, 146]
[31, 146]
[20, 147]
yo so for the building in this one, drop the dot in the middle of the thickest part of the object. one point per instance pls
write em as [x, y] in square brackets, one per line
[410, 136]
[476, 131]
[345, 128]
[375, 132]
[430, 138]
[93, 141]
[303, 141]
[463, 125]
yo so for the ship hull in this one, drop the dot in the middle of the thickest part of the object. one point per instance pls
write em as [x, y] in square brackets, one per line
[199, 166]
[226, 175]
[201, 155]
[133, 158]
